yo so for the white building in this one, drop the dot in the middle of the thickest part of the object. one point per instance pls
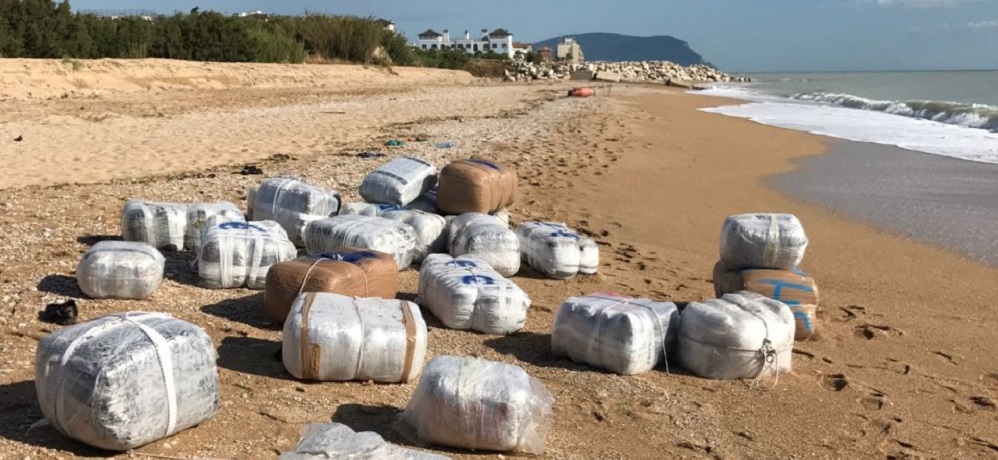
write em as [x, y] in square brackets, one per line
[499, 41]
[569, 50]
[386, 24]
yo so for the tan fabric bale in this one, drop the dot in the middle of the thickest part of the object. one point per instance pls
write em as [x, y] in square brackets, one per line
[475, 185]
[793, 288]
[348, 271]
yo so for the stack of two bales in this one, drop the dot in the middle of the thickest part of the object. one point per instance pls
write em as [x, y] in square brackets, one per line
[761, 253]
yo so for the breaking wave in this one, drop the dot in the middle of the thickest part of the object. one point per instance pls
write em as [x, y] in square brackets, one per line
[955, 113]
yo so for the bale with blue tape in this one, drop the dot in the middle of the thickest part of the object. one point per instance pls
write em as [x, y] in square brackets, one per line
[557, 251]
[466, 293]
[792, 287]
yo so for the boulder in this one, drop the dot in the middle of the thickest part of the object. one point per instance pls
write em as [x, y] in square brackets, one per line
[607, 77]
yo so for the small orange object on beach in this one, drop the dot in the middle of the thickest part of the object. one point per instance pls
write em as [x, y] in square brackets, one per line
[581, 92]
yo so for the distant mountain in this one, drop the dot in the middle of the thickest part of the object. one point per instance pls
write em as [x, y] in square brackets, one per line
[615, 47]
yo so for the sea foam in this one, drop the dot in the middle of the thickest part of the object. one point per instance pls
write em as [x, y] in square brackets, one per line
[929, 127]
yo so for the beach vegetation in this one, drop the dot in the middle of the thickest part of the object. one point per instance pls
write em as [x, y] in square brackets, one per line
[50, 29]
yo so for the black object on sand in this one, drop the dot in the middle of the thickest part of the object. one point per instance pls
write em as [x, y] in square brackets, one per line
[62, 314]
[370, 155]
[19, 138]
[251, 170]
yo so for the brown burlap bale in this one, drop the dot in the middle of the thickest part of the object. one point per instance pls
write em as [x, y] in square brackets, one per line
[793, 288]
[475, 185]
[347, 271]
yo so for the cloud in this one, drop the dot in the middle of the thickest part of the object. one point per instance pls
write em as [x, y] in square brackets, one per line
[921, 3]
[970, 27]
[983, 25]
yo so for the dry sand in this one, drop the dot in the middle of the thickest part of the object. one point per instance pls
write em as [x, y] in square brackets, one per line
[904, 362]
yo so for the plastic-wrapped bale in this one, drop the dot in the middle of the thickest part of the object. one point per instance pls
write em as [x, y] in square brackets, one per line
[427, 202]
[475, 185]
[774, 241]
[617, 333]
[364, 232]
[485, 237]
[472, 403]
[120, 270]
[502, 215]
[742, 335]
[250, 200]
[792, 287]
[465, 293]
[399, 181]
[557, 251]
[349, 271]
[160, 225]
[430, 230]
[200, 214]
[293, 204]
[331, 337]
[122, 381]
[237, 254]
[335, 440]
[366, 209]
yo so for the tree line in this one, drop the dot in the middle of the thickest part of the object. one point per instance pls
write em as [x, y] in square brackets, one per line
[46, 29]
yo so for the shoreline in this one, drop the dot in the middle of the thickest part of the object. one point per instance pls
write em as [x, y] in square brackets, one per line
[941, 201]
[651, 178]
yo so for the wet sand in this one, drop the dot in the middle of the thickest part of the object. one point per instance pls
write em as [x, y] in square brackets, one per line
[944, 201]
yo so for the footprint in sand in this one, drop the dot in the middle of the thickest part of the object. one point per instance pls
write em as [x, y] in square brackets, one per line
[898, 366]
[852, 312]
[947, 356]
[984, 402]
[873, 331]
[990, 381]
[834, 382]
[873, 401]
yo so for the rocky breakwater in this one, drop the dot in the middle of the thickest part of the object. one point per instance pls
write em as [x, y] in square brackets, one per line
[629, 72]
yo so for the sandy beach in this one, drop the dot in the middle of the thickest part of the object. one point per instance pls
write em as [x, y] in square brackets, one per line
[904, 362]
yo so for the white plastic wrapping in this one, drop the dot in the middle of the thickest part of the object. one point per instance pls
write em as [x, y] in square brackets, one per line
[742, 335]
[485, 237]
[557, 251]
[338, 441]
[430, 230]
[366, 209]
[502, 215]
[120, 270]
[362, 232]
[199, 215]
[250, 200]
[465, 293]
[237, 254]
[160, 225]
[620, 334]
[338, 338]
[774, 241]
[472, 403]
[399, 181]
[122, 381]
[293, 204]
[427, 202]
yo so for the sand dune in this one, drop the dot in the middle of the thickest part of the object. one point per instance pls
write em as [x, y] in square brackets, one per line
[47, 78]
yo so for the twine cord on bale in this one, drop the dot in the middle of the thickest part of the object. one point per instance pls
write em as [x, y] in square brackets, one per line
[766, 352]
[304, 280]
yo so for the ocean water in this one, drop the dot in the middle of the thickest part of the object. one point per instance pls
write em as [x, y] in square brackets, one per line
[945, 113]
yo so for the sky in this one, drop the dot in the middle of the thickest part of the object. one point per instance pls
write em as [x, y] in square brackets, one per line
[734, 35]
